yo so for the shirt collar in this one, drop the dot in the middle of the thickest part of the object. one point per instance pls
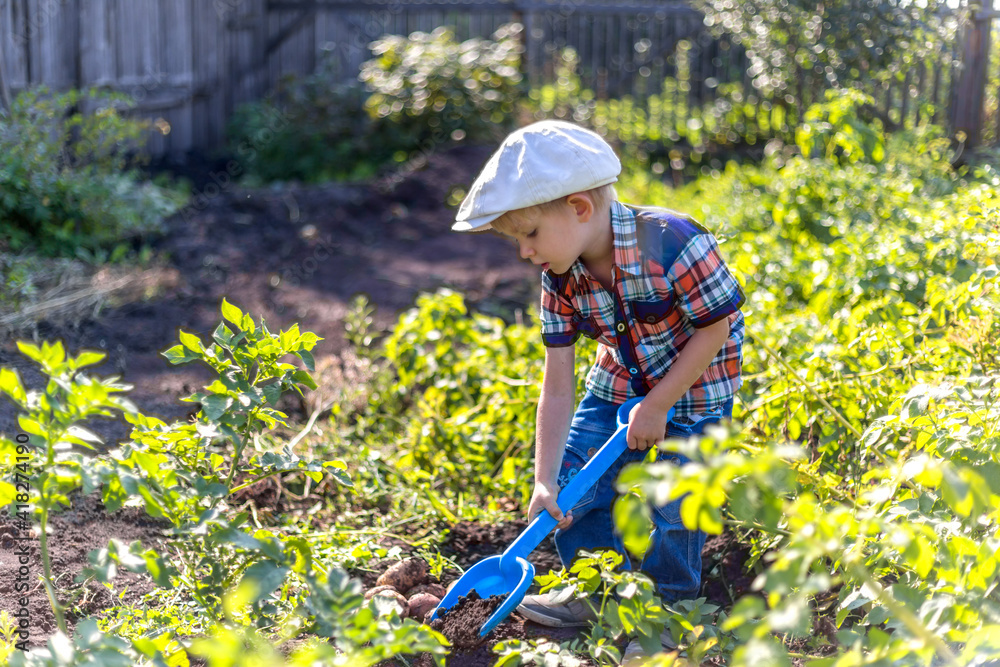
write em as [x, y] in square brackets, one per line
[627, 255]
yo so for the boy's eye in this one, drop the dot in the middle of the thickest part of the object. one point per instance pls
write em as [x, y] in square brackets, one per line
[532, 234]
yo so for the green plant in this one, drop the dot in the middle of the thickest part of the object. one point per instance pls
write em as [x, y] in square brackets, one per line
[431, 87]
[278, 584]
[309, 129]
[455, 394]
[905, 525]
[835, 131]
[665, 132]
[359, 325]
[8, 632]
[88, 646]
[626, 606]
[542, 652]
[66, 178]
[44, 469]
[872, 293]
[839, 44]
[420, 92]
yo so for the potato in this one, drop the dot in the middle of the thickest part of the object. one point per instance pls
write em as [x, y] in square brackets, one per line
[390, 594]
[422, 603]
[437, 590]
[404, 575]
[378, 589]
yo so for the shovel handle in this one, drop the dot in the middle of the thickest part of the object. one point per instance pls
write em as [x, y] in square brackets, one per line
[585, 478]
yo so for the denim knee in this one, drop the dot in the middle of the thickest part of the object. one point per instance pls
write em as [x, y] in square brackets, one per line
[674, 558]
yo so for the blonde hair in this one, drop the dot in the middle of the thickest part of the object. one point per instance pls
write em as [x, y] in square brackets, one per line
[518, 220]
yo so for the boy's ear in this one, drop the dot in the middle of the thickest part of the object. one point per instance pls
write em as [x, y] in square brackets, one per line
[582, 206]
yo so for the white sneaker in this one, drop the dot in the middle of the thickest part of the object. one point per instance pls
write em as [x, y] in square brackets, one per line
[570, 614]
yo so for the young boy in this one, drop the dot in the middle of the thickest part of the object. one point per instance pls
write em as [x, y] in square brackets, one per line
[650, 286]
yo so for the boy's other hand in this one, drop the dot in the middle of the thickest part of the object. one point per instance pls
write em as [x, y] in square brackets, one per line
[544, 497]
[647, 425]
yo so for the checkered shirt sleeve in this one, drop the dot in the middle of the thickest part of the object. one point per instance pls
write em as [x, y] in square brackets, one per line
[705, 289]
[558, 326]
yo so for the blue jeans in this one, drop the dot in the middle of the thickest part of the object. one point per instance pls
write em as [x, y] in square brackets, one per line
[674, 557]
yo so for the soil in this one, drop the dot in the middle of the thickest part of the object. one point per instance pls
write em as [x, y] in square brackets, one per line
[462, 623]
[468, 543]
[72, 534]
[723, 578]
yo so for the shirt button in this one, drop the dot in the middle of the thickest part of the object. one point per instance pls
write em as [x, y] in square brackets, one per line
[650, 319]
[620, 327]
[591, 451]
[633, 370]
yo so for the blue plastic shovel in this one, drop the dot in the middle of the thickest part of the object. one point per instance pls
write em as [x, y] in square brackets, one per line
[510, 573]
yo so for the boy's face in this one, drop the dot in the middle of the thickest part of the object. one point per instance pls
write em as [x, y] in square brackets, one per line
[556, 239]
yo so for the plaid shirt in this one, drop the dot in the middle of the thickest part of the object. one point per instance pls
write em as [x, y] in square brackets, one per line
[669, 280]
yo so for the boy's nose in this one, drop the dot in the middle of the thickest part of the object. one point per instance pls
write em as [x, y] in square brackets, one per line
[526, 251]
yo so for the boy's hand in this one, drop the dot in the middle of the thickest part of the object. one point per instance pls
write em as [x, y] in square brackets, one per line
[544, 497]
[647, 425]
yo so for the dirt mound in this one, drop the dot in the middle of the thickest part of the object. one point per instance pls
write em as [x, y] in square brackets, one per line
[462, 623]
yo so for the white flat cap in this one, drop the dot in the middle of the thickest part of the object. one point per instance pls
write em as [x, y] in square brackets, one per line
[536, 164]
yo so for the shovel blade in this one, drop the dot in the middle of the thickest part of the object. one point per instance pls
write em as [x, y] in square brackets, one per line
[489, 577]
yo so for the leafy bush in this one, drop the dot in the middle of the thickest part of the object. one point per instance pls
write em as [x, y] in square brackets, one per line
[434, 87]
[841, 43]
[309, 129]
[420, 92]
[456, 398]
[664, 131]
[66, 186]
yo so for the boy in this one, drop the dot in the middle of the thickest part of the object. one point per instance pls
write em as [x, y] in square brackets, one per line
[651, 287]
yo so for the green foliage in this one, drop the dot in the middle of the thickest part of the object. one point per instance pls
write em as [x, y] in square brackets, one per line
[419, 93]
[432, 87]
[66, 183]
[924, 518]
[88, 646]
[834, 131]
[456, 400]
[48, 424]
[865, 470]
[8, 635]
[840, 43]
[308, 129]
[542, 652]
[245, 585]
[664, 131]
[251, 379]
[626, 606]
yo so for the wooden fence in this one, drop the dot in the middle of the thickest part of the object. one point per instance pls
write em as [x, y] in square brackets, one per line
[190, 63]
